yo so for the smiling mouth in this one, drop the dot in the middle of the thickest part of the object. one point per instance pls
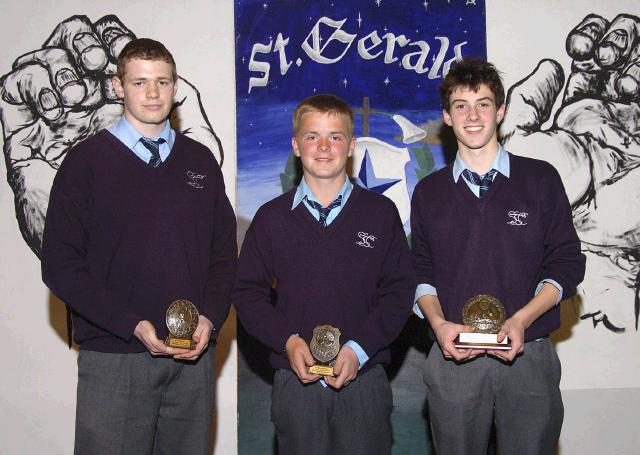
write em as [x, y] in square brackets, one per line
[473, 129]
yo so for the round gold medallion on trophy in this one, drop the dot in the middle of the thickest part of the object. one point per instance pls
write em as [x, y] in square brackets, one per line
[324, 346]
[484, 312]
[182, 321]
[487, 315]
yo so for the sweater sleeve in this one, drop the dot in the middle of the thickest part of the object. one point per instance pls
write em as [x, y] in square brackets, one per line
[252, 294]
[395, 290]
[65, 263]
[563, 262]
[223, 257]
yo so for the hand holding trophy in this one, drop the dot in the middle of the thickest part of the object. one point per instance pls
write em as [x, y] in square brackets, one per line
[487, 315]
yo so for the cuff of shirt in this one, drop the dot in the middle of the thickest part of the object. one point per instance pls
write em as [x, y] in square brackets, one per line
[422, 290]
[554, 284]
[362, 356]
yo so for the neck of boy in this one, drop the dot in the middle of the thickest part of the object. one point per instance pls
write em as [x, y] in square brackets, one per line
[480, 160]
[149, 130]
[325, 190]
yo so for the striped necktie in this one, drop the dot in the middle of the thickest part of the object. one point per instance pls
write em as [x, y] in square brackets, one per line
[154, 148]
[483, 182]
[324, 211]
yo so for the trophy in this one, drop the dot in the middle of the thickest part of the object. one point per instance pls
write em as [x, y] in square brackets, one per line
[181, 320]
[485, 313]
[325, 345]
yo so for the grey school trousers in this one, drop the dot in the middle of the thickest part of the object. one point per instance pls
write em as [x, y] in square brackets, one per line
[315, 420]
[522, 398]
[136, 404]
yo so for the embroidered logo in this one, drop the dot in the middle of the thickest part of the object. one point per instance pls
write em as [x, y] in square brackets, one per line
[516, 218]
[195, 180]
[365, 238]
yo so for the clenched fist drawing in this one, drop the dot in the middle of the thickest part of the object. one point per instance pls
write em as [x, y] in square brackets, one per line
[60, 94]
[594, 136]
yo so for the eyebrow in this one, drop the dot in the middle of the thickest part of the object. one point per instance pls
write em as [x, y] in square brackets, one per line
[330, 132]
[480, 99]
[152, 78]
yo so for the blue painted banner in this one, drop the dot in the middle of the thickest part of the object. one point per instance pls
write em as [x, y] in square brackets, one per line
[386, 59]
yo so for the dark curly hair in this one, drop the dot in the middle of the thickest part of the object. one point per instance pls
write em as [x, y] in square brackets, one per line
[471, 72]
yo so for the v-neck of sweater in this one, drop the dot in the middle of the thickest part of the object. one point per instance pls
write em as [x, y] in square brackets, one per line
[327, 231]
[471, 200]
[141, 165]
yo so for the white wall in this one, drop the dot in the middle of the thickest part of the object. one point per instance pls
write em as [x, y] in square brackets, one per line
[601, 370]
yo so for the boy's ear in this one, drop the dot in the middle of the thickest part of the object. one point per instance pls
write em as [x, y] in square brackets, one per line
[117, 86]
[500, 113]
[352, 146]
[294, 144]
[446, 117]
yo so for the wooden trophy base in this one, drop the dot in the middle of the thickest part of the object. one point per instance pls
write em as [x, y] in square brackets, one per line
[481, 341]
[322, 370]
[182, 343]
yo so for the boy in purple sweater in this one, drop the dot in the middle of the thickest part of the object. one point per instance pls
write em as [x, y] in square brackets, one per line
[499, 224]
[138, 218]
[336, 254]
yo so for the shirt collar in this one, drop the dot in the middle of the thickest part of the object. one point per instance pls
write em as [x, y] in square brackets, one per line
[304, 191]
[500, 164]
[130, 136]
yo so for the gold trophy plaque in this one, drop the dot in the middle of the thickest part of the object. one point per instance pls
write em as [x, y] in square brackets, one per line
[325, 345]
[182, 321]
[487, 315]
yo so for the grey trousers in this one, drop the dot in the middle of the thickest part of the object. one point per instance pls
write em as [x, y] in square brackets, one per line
[522, 398]
[316, 420]
[136, 404]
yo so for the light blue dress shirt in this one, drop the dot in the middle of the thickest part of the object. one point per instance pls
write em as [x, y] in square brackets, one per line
[503, 166]
[303, 193]
[129, 136]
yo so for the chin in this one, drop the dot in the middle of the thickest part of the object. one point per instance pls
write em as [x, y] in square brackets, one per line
[156, 120]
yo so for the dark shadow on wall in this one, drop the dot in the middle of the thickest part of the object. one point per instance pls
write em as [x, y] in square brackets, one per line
[58, 319]
[449, 143]
[414, 334]
[409, 419]
[570, 311]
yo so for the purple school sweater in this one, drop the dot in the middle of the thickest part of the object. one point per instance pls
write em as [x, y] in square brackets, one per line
[122, 239]
[354, 274]
[503, 244]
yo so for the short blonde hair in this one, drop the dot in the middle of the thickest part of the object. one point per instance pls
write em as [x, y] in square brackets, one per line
[326, 104]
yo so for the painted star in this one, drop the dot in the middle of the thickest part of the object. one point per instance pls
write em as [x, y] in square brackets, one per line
[368, 177]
